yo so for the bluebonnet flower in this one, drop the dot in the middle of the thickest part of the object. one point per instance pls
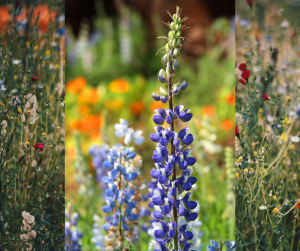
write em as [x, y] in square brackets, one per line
[214, 246]
[122, 130]
[98, 238]
[171, 198]
[120, 197]
[72, 233]
[99, 154]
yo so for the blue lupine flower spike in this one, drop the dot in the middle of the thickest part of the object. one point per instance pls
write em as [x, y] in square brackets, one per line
[172, 203]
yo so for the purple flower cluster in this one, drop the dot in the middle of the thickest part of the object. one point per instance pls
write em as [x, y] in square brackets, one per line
[172, 197]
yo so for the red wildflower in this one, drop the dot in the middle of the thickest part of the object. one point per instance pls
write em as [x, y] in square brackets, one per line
[250, 3]
[298, 204]
[34, 78]
[242, 73]
[265, 97]
[237, 133]
[39, 146]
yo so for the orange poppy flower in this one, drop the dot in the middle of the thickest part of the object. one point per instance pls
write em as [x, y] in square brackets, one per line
[91, 96]
[76, 85]
[208, 110]
[137, 107]
[119, 85]
[227, 124]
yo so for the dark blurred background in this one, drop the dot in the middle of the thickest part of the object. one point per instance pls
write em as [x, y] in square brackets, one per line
[201, 14]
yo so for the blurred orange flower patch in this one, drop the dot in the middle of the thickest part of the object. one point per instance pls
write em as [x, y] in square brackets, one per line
[76, 85]
[227, 124]
[119, 85]
[156, 105]
[231, 99]
[137, 107]
[83, 109]
[113, 104]
[208, 110]
[4, 16]
[91, 123]
[90, 95]
[42, 10]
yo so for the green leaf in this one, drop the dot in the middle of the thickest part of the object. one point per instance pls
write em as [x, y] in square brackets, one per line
[131, 247]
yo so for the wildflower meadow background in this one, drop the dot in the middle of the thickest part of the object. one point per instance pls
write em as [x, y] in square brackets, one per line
[111, 77]
[267, 125]
[32, 126]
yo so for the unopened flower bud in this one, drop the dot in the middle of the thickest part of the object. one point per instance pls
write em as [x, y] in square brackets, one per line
[176, 52]
[155, 96]
[175, 64]
[173, 25]
[163, 99]
[164, 59]
[162, 76]
[175, 90]
[167, 48]
[182, 86]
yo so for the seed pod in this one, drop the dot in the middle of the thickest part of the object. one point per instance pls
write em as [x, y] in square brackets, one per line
[178, 34]
[178, 42]
[170, 44]
[174, 17]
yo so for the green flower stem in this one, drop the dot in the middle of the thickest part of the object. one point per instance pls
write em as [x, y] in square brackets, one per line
[175, 215]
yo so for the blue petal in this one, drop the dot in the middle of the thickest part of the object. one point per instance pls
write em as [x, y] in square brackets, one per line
[190, 161]
[191, 204]
[131, 155]
[163, 141]
[155, 174]
[107, 164]
[188, 235]
[158, 215]
[154, 137]
[188, 140]
[158, 201]
[162, 179]
[158, 158]
[191, 217]
[186, 186]
[109, 193]
[158, 120]
[159, 233]
[107, 209]
[133, 217]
